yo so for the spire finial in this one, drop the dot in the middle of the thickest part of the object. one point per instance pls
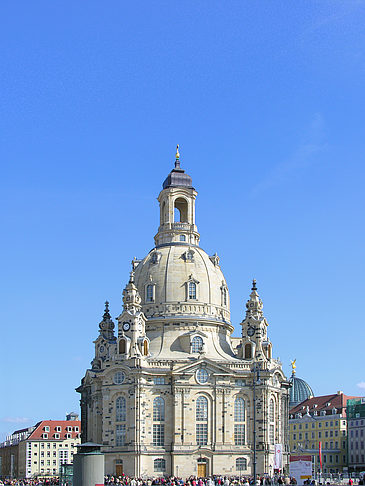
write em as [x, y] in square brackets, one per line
[254, 284]
[131, 279]
[177, 157]
[106, 311]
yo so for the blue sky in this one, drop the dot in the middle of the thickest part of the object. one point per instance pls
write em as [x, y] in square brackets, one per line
[265, 98]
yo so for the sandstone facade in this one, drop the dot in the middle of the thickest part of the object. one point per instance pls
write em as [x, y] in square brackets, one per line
[171, 392]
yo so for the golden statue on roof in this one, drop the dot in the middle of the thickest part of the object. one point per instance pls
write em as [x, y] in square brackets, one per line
[293, 366]
[177, 156]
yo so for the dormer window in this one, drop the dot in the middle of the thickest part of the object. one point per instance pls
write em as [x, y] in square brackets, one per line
[46, 428]
[196, 344]
[149, 293]
[192, 291]
[189, 256]
[155, 257]
[224, 293]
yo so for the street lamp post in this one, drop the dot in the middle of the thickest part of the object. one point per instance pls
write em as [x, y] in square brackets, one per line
[256, 381]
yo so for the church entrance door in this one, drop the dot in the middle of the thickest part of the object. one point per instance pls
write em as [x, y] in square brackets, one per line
[202, 470]
[119, 470]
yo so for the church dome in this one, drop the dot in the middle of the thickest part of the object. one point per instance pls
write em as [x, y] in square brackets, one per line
[182, 281]
[300, 391]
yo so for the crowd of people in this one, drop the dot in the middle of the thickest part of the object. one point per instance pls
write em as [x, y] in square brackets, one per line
[171, 481]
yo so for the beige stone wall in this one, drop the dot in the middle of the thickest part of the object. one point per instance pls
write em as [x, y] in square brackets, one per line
[180, 450]
[170, 322]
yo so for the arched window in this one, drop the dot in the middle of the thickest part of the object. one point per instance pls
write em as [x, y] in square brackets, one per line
[149, 293]
[182, 238]
[239, 419]
[181, 210]
[196, 344]
[158, 429]
[120, 416]
[159, 465]
[248, 351]
[201, 416]
[239, 410]
[120, 410]
[192, 290]
[158, 409]
[145, 348]
[272, 422]
[241, 464]
[122, 346]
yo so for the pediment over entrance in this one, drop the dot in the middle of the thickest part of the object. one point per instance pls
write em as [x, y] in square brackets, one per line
[211, 366]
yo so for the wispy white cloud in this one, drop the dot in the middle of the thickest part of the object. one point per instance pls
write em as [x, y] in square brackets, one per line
[303, 157]
[15, 420]
[339, 11]
[361, 385]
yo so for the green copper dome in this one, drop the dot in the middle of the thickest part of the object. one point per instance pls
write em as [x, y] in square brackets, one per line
[299, 391]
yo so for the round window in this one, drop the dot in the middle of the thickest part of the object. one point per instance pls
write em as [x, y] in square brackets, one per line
[202, 375]
[119, 378]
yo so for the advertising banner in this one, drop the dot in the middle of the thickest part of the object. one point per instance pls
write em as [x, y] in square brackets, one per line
[300, 468]
[278, 458]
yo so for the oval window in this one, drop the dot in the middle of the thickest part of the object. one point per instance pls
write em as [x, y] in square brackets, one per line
[202, 375]
[119, 378]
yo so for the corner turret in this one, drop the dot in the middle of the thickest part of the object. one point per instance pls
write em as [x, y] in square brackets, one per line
[255, 342]
[105, 342]
[106, 326]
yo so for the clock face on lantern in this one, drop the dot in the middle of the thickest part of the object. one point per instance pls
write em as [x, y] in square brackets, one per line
[126, 326]
[250, 331]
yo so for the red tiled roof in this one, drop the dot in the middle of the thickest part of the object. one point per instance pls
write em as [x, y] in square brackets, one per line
[52, 424]
[325, 402]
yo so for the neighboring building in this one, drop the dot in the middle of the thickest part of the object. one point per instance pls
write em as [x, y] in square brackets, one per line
[356, 434]
[321, 419]
[40, 450]
[172, 392]
[300, 390]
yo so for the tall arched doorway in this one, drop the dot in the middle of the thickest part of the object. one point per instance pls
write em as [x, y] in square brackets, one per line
[202, 467]
[119, 468]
